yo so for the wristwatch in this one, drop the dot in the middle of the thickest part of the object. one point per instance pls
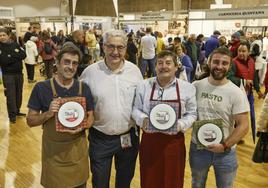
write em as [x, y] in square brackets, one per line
[225, 147]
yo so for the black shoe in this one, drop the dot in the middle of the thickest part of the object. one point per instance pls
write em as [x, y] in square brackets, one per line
[31, 81]
[21, 114]
[12, 120]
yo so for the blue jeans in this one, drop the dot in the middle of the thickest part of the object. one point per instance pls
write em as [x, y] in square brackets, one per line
[225, 167]
[151, 64]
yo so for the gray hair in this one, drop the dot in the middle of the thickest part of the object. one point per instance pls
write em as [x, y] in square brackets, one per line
[115, 33]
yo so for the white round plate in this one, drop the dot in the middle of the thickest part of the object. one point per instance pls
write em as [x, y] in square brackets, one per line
[71, 114]
[162, 116]
[209, 134]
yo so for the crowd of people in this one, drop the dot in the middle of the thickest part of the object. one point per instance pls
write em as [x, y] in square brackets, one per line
[122, 77]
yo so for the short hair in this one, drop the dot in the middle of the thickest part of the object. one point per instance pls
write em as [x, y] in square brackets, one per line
[4, 30]
[216, 32]
[244, 43]
[180, 46]
[221, 50]
[69, 48]
[165, 53]
[115, 33]
[148, 30]
[177, 39]
[76, 33]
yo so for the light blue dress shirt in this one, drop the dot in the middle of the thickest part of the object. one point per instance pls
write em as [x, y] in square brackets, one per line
[141, 108]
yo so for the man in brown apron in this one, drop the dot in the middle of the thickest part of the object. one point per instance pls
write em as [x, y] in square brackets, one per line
[162, 150]
[64, 154]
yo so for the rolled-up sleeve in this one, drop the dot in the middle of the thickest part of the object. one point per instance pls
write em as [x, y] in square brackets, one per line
[190, 113]
[138, 113]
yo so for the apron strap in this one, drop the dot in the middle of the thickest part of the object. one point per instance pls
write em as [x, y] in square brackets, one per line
[152, 92]
[179, 99]
[80, 88]
[53, 88]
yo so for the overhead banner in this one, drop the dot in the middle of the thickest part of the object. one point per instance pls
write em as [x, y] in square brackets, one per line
[237, 14]
[154, 16]
[55, 19]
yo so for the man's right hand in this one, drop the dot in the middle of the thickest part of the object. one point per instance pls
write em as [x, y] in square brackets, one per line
[145, 124]
[54, 107]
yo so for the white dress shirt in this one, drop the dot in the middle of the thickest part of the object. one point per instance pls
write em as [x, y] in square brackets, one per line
[113, 95]
[148, 46]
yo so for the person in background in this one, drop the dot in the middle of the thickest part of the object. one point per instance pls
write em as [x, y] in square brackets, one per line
[91, 42]
[223, 42]
[148, 45]
[170, 45]
[31, 58]
[230, 106]
[212, 43]
[160, 43]
[201, 46]
[193, 52]
[54, 38]
[243, 74]
[11, 56]
[162, 156]
[48, 52]
[132, 50]
[60, 38]
[113, 81]
[31, 32]
[78, 38]
[235, 42]
[185, 61]
[64, 154]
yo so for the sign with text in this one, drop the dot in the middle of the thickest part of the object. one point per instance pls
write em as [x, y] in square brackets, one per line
[154, 16]
[234, 14]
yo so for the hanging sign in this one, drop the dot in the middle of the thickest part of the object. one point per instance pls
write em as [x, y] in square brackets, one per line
[237, 14]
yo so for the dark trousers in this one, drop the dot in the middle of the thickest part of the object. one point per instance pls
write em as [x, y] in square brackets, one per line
[49, 68]
[13, 85]
[30, 71]
[101, 152]
[192, 76]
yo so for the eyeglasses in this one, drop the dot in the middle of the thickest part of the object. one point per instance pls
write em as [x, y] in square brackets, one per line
[112, 47]
[160, 93]
[68, 62]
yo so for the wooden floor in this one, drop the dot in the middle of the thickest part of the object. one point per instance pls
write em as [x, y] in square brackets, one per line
[20, 149]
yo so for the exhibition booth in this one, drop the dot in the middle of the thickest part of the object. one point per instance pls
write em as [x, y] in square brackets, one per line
[228, 21]
[166, 22]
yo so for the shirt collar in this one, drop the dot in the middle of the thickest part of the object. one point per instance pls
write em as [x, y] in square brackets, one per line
[105, 67]
[170, 85]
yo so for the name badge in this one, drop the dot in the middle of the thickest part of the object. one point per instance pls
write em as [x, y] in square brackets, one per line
[125, 141]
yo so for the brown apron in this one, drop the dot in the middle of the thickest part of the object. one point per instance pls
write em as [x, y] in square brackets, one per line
[64, 156]
[162, 156]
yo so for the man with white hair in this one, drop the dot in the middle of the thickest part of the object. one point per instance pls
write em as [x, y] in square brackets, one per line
[113, 82]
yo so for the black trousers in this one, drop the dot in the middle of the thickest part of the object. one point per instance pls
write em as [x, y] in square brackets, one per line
[13, 86]
[30, 71]
[102, 149]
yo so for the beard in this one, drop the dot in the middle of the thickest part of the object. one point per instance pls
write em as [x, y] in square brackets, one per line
[218, 76]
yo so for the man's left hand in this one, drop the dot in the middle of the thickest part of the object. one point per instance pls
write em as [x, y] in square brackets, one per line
[216, 148]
